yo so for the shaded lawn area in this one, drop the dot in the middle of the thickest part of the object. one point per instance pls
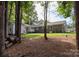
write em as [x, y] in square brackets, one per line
[38, 35]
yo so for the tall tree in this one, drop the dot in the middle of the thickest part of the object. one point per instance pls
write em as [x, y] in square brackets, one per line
[6, 19]
[45, 5]
[77, 21]
[2, 16]
[18, 21]
[45, 18]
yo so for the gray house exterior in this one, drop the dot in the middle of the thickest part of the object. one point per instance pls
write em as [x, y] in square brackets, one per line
[54, 27]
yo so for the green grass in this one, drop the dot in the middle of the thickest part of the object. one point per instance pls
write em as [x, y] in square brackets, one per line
[38, 35]
[32, 35]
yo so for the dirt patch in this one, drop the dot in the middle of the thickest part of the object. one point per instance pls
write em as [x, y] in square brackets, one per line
[40, 47]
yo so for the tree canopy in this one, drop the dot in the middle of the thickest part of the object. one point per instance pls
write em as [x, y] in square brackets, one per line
[29, 15]
[65, 8]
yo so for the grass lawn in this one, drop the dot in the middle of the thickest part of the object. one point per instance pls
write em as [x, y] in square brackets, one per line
[38, 35]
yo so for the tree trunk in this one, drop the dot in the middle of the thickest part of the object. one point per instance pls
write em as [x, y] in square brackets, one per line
[2, 14]
[21, 15]
[18, 22]
[77, 21]
[6, 19]
[45, 18]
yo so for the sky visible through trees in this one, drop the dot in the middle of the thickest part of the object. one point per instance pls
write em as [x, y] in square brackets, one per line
[52, 13]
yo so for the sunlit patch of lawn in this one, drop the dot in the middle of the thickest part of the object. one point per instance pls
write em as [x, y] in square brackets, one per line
[60, 34]
[38, 35]
[33, 35]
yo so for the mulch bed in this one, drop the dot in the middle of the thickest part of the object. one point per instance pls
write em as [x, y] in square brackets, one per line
[53, 47]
